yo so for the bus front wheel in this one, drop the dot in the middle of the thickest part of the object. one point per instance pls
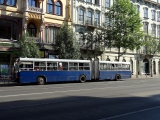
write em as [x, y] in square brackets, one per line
[82, 78]
[41, 80]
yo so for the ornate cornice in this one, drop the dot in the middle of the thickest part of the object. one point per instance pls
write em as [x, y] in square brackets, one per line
[34, 15]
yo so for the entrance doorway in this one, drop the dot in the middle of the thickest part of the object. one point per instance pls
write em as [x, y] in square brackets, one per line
[145, 66]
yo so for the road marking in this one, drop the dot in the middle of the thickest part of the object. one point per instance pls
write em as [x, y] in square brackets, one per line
[130, 113]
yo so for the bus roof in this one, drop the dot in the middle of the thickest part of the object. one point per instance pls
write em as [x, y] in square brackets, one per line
[114, 62]
[52, 60]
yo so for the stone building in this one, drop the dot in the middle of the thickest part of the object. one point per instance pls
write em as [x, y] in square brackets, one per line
[41, 18]
[88, 14]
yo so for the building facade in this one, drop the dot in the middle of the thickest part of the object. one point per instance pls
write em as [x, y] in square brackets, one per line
[41, 18]
[87, 15]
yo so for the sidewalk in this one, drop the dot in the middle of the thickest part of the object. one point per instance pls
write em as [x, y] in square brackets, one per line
[145, 76]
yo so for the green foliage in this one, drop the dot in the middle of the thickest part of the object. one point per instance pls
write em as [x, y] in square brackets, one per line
[152, 44]
[125, 26]
[28, 46]
[66, 43]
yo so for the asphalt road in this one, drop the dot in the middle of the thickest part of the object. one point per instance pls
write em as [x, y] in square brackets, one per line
[132, 99]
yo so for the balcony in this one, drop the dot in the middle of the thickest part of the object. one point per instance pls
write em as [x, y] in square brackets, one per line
[97, 24]
[33, 9]
[81, 21]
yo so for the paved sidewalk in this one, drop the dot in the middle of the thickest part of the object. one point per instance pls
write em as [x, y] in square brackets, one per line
[145, 76]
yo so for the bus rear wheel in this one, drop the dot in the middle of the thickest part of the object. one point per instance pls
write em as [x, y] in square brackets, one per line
[117, 77]
[82, 78]
[41, 80]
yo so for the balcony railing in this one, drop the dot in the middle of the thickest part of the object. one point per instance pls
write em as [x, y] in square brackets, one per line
[34, 9]
[88, 22]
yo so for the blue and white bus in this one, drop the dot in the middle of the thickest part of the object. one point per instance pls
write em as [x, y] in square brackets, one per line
[43, 70]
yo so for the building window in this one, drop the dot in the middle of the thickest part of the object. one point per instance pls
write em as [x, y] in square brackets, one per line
[146, 12]
[153, 15]
[97, 2]
[138, 8]
[89, 1]
[50, 34]
[145, 27]
[81, 15]
[153, 29]
[158, 16]
[8, 2]
[32, 3]
[97, 18]
[8, 30]
[58, 8]
[89, 17]
[1, 1]
[49, 6]
[11, 2]
[107, 21]
[32, 30]
[107, 3]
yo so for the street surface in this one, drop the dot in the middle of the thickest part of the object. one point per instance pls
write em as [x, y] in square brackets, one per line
[128, 99]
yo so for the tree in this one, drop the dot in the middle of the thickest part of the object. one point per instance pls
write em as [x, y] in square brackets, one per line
[125, 23]
[66, 43]
[28, 46]
[152, 45]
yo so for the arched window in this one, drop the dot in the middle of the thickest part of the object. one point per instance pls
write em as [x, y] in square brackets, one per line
[58, 8]
[89, 17]
[32, 3]
[32, 30]
[81, 15]
[49, 6]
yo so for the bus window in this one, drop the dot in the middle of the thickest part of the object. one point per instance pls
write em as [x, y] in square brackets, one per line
[125, 67]
[51, 66]
[62, 66]
[112, 67]
[80, 66]
[26, 66]
[116, 67]
[119, 66]
[108, 66]
[73, 66]
[86, 66]
[101, 66]
[40, 65]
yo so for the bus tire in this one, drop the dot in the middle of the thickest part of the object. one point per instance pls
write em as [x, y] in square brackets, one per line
[41, 80]
[82, 78]
[117, 77]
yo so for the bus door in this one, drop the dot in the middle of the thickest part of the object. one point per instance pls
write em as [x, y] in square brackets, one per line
[95, 70]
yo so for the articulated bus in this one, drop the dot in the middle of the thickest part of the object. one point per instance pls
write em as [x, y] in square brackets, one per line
[43, 70]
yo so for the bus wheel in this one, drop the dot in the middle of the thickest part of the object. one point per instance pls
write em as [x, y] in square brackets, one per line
[117, 77]
[41, 80]
[82, 78]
